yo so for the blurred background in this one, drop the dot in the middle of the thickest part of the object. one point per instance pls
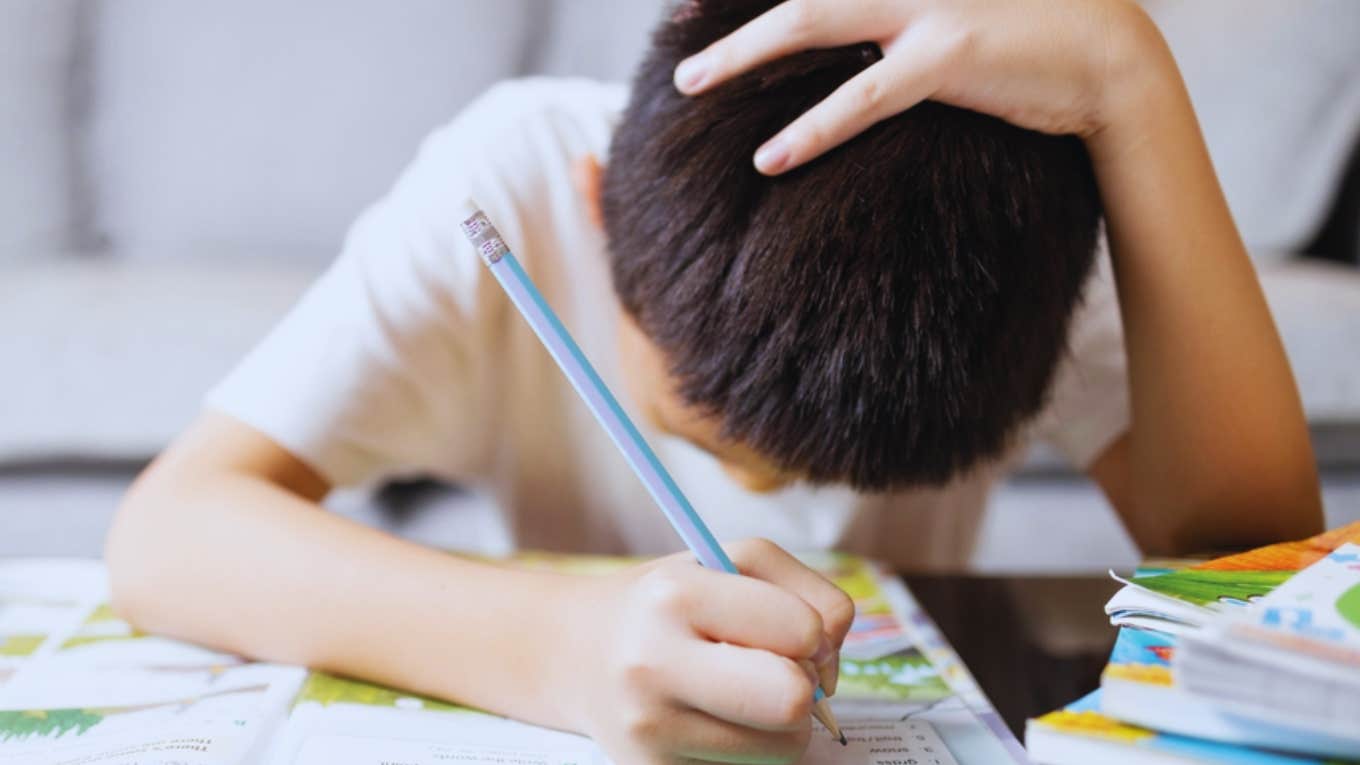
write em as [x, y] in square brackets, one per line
[173, 174]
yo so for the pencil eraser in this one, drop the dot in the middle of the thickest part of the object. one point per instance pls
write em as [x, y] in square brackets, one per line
[467, 208]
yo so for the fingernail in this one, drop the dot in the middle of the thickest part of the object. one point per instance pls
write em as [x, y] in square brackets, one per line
[690, 74]
[832, 676]
[773, 156]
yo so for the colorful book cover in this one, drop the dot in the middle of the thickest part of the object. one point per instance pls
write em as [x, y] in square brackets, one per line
[1243, 577]
[1290, 662]
[1177, 596]
[1138, 685]
[1082, 733]
[1316, 614]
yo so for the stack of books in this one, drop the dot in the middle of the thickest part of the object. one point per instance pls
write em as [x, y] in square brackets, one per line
[1253, 658]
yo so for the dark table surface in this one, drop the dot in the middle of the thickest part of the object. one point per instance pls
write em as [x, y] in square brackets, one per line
[1033, 643]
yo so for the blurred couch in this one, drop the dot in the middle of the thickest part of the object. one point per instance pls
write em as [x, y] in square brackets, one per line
[174, 174]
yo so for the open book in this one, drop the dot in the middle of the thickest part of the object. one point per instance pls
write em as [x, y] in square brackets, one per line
[78, 686]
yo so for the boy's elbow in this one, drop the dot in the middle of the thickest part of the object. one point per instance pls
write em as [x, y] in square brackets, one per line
[132, 550]
[1247, 511]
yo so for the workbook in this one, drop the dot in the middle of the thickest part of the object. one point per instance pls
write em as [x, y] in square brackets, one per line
[79, 686]
[1144, 712]
[1290, 661]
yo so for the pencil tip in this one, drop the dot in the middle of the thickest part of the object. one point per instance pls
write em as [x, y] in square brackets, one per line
[843, 741]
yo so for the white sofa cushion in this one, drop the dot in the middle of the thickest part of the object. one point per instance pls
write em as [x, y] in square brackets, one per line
[266, 126]
[36, 48]
[1276, 86]
[111, 359]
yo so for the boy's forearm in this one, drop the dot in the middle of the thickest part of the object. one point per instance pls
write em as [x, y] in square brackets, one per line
[240, 564]
[1218, 451]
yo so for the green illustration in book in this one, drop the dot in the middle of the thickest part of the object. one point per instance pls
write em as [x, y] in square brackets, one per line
[1249, 575]
[1348, 605]
[56, 723]
[50, 723]
[1206, 587]
[903, 676]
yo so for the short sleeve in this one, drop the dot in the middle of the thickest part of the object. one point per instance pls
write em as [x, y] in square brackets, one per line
[376, 371]
[1088, 406]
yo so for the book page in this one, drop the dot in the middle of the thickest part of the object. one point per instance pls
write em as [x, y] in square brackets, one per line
[79, 686]
[895, 742]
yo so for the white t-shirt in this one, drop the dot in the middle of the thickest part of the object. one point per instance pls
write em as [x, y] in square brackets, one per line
[406, 358]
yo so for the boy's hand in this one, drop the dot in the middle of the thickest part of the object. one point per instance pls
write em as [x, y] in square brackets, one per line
[670, 662]
[1057, 66]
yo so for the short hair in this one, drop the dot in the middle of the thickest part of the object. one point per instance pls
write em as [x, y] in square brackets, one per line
[887, 315]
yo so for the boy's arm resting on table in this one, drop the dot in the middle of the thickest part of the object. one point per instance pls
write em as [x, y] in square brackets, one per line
[222, 541]
[1217, 453]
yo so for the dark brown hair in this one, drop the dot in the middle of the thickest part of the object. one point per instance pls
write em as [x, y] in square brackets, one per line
[889, 314]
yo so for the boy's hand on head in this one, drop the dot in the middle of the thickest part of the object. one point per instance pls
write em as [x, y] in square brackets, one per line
[1056, 66]
[671, 662]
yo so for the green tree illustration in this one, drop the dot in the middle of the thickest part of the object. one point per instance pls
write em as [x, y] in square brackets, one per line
[19, 725]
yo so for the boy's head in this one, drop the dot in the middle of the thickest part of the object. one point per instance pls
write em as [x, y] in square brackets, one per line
[889, 314]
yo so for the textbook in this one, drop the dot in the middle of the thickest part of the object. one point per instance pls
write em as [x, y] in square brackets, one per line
[1165, 604]
[1140, 688]
[78, 686]
[1290, 661]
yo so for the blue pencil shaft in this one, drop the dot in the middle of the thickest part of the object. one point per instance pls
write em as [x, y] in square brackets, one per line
[597, 396]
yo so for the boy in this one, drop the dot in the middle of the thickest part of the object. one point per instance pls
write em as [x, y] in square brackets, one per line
[892, 318]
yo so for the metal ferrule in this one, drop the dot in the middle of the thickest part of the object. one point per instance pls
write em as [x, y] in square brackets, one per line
[485, 238]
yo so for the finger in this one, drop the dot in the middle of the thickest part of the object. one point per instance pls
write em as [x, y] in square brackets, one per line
[744, 686]
[789, 27]
[765, 560]
[886, 88]
[756, 614]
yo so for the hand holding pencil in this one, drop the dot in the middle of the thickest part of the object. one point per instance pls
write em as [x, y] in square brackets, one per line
[765, 609]
[680, 663]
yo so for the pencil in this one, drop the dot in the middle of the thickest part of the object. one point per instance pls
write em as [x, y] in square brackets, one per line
[601, 402]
